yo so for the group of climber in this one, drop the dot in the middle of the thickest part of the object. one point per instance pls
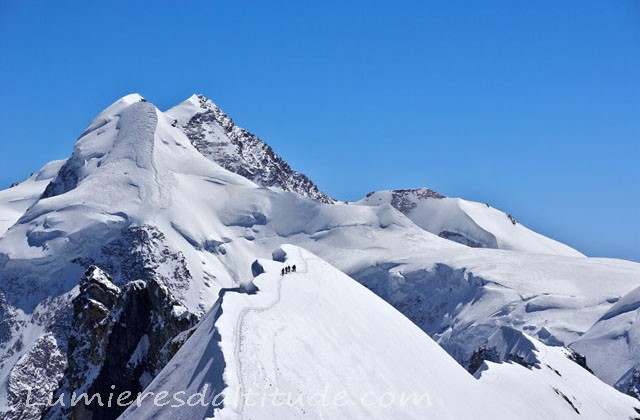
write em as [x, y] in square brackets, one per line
[288, 269]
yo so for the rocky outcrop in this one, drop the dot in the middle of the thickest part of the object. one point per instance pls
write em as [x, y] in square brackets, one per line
[66, 180]
[460, 238]
[579, 359]
[36, 373]
[141, 252]
[406, 200]
[33, 378]
[120, 339]
[505, 345]
[630, 383]
[216, 136]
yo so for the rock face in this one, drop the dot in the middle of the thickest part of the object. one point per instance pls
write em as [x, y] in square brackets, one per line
[505, 345]
[460, 238]
[630, 383]
[141, 252]
[120, 339]
[35, 375]
[579, 359]
[216, 136]
[406, 200]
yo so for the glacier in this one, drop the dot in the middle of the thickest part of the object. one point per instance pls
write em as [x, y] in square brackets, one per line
[183, 208]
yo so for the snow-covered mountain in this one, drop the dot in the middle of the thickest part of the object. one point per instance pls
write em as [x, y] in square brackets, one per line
[473, 224]
[216, 136]
[612, 344]
[317, 332]
[156, 220]
[15, 200]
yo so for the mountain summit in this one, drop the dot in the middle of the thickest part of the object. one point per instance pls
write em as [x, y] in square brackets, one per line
[152, 258]
[216, 136]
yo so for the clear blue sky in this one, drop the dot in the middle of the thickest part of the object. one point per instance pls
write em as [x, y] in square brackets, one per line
[532, 106]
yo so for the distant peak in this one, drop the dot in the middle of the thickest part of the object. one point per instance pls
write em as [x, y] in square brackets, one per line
[121, 103]
[202, 102]
[422, 192]
[131, 98]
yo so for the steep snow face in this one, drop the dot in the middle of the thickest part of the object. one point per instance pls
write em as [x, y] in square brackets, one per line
[125, 171]
[16, 200]
[460, 296]
[612, 345]
[557, 388]
[216, 136]
[316, 344]
[473, 224]
[311, 332]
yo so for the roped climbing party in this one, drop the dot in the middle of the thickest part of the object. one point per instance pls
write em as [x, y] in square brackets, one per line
[288, 269]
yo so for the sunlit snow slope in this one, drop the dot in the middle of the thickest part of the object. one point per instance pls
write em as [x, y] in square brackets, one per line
[474, 224]
[318, 332]
[16, 200]
[154, 196]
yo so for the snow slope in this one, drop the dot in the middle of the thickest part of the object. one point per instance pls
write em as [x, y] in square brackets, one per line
[467, 222]
[16, 200]
[612, 345]
[318, 332]
[139, 200]
[308, 331]
[557, 388]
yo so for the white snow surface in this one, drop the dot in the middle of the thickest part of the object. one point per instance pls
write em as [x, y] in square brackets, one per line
[16, 200]
[318, 332]
[557, 389]
[470, 222]
[132, 167]
[612, 345]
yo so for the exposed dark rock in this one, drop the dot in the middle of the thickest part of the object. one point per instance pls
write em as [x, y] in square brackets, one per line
[405, 200]
[629, 383]
[66, 180]
[505, 345]
[36, 374]
[481, 355]
[33, 377]
[459, 238]
[244, 153]
[579, 359]
[140, 252]
[567, 399]
[121, 338]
